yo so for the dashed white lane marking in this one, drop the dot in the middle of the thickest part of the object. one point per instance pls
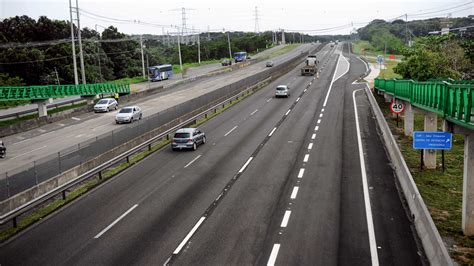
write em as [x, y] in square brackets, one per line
[20, 141]
[322, 110]
[60, 124]
[269, 100]
[41, 130]
[306, 158]
[286, 218]
[301, 173]
[273, 130]
[320, 115]
[191, 162]
[298, 99]
[230, 131]
[245, 165]
[310, 146]
[287, 112]
[319, 121]
[252, 113]
[48, 133]
[80, 135]
[294, 193]
[316, 128]
[368, 209]
[273, 255]
[30, 151]
[75, 118]
[190, 234]
[305, 90]
[116, 221]
[313, 136]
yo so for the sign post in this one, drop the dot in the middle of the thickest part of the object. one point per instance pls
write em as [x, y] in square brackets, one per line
[424, 140]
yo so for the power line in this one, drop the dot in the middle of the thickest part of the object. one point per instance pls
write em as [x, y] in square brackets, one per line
[441, 10]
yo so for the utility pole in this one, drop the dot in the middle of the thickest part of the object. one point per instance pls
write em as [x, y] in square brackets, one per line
[98, 54]
[199, 47]
[81, 54]
[183, 18]
[406, 29]
[256, 21]
[179, 54]
[76, 80]
[283, 41]
[208, 33]
[57, 76]
[143, 58]
[228, 41]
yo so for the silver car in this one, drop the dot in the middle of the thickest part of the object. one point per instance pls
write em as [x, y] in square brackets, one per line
[269, 64]
[105, 105]
[128, 114]
[187, 138]
[282, 91]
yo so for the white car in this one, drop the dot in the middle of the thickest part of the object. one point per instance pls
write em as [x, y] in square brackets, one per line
[105, 105]
[282, 91]
[128, 114]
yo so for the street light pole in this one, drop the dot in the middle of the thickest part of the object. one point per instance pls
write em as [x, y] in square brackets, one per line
[199, 47]
[81, 54]
[98, 54]
[179, 53]
[143, 58]
[76, 79]
[228, 40]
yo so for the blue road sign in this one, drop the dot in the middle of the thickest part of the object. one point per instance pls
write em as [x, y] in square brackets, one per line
[432, 140]
[380, 59]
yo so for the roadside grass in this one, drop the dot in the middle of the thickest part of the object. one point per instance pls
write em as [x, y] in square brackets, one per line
[127, 80]
[441, 191]
[370, 51]
[9, 122]
[388, 72]
[281, 51]
[10, 104]
[92, 183]
[186, 66]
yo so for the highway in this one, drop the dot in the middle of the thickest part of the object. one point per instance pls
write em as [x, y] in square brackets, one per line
[45, 142]
[302, 180]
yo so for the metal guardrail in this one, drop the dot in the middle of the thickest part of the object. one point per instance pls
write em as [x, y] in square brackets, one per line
[12, 215]
[59, 91]
[33, 110]
[453, 100]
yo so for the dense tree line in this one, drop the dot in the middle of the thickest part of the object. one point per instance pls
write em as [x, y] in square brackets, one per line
[53, 63]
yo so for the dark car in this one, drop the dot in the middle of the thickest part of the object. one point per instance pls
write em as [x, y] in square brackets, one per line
[226, 62]
[269, 64]
[187, 138]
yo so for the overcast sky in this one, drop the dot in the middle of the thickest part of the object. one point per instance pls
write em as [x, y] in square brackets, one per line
[291, 15]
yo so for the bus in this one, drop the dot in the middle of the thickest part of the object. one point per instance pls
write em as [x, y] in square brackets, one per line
[161, 72]
[240, 56]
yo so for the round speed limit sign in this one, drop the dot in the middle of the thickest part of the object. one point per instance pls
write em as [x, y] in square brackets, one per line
[397, 107]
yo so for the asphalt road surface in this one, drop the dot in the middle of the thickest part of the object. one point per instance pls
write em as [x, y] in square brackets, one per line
[302, 180]
[47, 141]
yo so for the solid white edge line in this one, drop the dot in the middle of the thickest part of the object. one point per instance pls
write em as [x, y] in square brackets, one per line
[273, 255]
[116, 221]
[273, 130]
[347, 70]
[287, 112]
[310, 146]
[368, 210]
[301, 173]
[29, 152]
[365, 64]
[245, 165]
[230, 131]
[332, 81]
[191, 162]
[190, 234]
[306, 157]
[286, 218]
[294, 193]
[252, 113]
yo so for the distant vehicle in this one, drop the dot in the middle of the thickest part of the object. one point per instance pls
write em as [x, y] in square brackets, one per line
[160, 72]
[282, 91]
[128, 114]
[269, 64]
[226, 62]
[310, 67]
[240, 56]
[3, 150]
[105, 105]
[187, 138]
[331, 44]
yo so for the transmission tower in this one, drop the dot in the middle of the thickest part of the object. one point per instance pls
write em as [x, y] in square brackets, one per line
[256, 21]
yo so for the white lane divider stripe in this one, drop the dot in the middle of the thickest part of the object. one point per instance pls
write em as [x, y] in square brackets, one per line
[273, 130]
[319, 121]
[286, 218]
[30, 151]
[116, 221]
[75, 118]
[313, 136]
[191, 162]
[368, 209]
[316, 128]
[230, 131]
[245, 165]
[294, 193]
[190, 234]
[298, 99]
[332, 82]
[287, 112]
[321, 115]
[301, 173]
[273, 255]
[269, 100]
[322, 110]
[310, 146]
[252, 113]
[306, 157]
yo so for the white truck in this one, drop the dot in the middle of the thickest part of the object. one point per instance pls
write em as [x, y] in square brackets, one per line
[310, 67]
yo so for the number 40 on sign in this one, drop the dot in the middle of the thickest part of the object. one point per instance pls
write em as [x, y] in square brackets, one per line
[397, 107]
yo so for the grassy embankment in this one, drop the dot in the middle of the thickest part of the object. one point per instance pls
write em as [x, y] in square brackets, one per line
[441, 191]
